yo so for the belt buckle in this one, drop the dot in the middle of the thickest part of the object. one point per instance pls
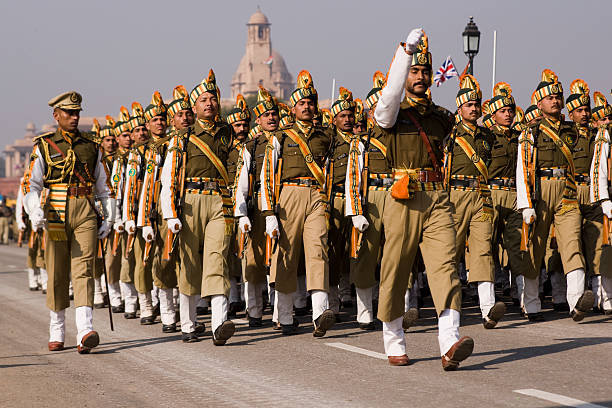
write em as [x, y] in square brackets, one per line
[387, 181]
[558, 172]
[473, 183]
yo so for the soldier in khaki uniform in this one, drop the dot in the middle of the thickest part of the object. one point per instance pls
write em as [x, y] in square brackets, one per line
[417, 211]
[195, 162]
[122, 131]
[467, 159]
[601, 282]
[180, 115]
[69, 164]
[546, 194]
[248, 205]
[293, 201]
[239, 118]
[507, 220]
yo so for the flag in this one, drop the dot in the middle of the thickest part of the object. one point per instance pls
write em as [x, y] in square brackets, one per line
[466, 69]
[269, 60]
[446, 71]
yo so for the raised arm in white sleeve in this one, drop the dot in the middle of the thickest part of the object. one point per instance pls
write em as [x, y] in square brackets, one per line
[599, 167]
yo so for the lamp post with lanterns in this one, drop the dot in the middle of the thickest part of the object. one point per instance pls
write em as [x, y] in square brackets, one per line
[471, 42]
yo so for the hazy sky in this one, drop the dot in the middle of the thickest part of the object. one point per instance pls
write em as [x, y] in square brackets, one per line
[116, 52]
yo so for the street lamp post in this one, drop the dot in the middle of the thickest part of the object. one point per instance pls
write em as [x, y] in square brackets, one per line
[471, 42]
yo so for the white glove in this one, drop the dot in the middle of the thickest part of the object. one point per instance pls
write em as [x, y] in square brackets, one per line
[118, 227]
[606, 207]
[271, 225]
[104, 229]
[413, 40]
[529, 215]
[147, 233]
[37, 218]
[244, 224]
[130, 227]
[21, 225]
[174, 225]
[360, 222]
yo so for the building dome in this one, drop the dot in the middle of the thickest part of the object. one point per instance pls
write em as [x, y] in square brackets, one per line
[258, 18]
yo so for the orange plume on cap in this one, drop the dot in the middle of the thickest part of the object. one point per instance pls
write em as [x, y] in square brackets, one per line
[156, 99]
[578, 86]
[378, 80]
[137, 109]
[549, 76]
[124, 114]
[304, 79]
[502, 89]
[467, 81]
[110, 122]
[179, 92]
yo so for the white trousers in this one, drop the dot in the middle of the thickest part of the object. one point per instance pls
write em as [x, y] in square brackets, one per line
[559, 287]
[166, 306]
[218, 311]
[606, 292]
[575, 286]
[486, 294]
[155, 296]
[530, 298]
[365, 311]
[254, 298]
[130, 295]
[146, 304]
[84, 321]
[596, 288]
[32, 278]
[57, 325]
[114, 294]
[43, 278]
[187, 309]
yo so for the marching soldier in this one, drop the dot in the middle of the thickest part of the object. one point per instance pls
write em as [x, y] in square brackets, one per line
[239, 118]
[180, 115]
[343, 113]
[134, 213]
[367, 160]
[507, 220]
[150, 214]
[120, 245]
[601, 281]
[467, 159]
[417, 211]
[248, 206]
[195, 180]
[293, 201]
[546, 194]
[68, 162]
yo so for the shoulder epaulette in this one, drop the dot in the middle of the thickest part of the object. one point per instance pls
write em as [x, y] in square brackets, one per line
[89, 136]
[535, 123]
[43, 135]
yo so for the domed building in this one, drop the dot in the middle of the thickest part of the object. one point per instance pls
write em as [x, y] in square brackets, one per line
[261, 65]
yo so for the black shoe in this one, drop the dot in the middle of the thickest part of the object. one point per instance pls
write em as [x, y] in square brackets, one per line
[200, 328]
[561, 307]
[223, 333]
[34, 289]
[301, 311]
[347, 304]
[276, 326]
[410, 318]
[201, 310]
[130, 315]
[117, 309]
[189, 337]
[607, 312]
[145, 321]
[169, 328]
[234, 309]
[367, 326]
[99, 305]
[156, 311]
[506, 292]
[323, 323]
[535, 317]
[584, 304]
[515, 302]
[44, 291]
[495, 314]
[71, 296]
[255, 322]
[598, 310]
[289, 329]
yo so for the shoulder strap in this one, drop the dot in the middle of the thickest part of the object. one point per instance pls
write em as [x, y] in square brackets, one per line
[57, 149]
[214, 159]
[305, 150]
[471, 153]
[425, 139]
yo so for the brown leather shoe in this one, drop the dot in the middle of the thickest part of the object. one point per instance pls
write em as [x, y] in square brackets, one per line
[584, 304]
[461, 350]
[495, 314]
[399, 360]
[56, 345]
[89, 341]
[223, 333]
[323, 323]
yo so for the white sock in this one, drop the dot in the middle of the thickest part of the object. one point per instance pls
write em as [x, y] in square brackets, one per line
[284, 307]
[146, 305]
[98, 295]
[218, 306]
[57, 325]
[274, 300]
[394, 338]
[448, 329]
[531, 296]
[130, 296]
[575, 286]
[84, 321]
[407, 300]
[486, 294]
[43, 278]
[32, 279]
[187, 310]
[596, 287]
[319, 303]
[155, 296]
[114, 294]
[365, 313]
[166, 306]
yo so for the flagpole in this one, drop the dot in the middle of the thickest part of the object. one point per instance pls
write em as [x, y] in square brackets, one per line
[333, 90]
[494, 58]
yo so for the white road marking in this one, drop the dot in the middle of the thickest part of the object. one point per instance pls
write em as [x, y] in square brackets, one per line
[11, 266]
[557, 399]
[358, 350]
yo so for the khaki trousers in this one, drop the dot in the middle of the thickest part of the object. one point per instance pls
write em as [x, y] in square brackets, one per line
[469, 222]
[567, 230]
[339, 238]
[597, 258]
[424, 221]
[127, 264]
[36, 254]
[4, 229]
[113, 263]
[363, 270]
[233, 262]
[507, 224]
[302, 225]
[255, 270]
[204, 247]
[73, 257]
[164, 272]
[143, 275]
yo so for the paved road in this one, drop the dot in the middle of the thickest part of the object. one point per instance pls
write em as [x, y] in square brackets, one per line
[555, 363]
